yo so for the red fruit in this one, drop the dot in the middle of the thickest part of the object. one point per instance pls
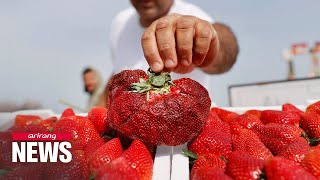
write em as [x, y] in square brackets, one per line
[154, 112]
[23, 120]
[311, 124]
[276, 136]
[225, 115]
[311, 162]
[67, 112]
[315, 107]
[76, 169]
[256, 113]
[211, 173]
[209, 160]
[81, 129]
[6, 151]
[246, 140]
[41, 125]
[92, 146]
[241, 165]
[281, 117]
[281, 168]
[105, 154]
[139, 158]
[291, 108]
[116, 170]
[31, 171]
[98, 116]
[215, 138]
[296, 150]
[248, 121]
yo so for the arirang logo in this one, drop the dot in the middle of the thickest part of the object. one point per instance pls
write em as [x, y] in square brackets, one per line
[41, 147]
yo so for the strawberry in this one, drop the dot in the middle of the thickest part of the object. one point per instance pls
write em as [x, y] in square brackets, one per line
[225, 115]
[31, 171]
[311, 162]
[276, 136]
[215, 138]
[105, 154]
[209, 160]
[116, 170]
[23, 120]
[311, 124]
[291, 108]
[98, 116]
[246, 140]
[67, 112]
[256, 113]
[6, 151]
[281, 168]
[315, 107]
[139, 158]
[281, 117]
[150, 108]
[41, 125]
[211, 173]
[241, 165]
[92, 146]
[76, 169]
[80, 128]
[248, 121]
[295, 150]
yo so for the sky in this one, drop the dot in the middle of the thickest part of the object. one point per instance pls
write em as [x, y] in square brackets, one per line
[45, 44]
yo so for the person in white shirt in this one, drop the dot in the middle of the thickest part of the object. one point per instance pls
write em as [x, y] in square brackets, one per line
[174, 36]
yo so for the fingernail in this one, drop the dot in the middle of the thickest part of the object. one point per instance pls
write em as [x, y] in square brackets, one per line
[185, 62]
[156, 66]
[169, 63]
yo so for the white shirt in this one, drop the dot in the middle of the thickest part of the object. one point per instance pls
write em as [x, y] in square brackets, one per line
[126, 33]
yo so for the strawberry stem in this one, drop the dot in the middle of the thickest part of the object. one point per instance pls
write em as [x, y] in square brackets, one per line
[157, 83]
[188, 153]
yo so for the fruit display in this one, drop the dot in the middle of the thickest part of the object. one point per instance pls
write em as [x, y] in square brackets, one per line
[148, 110]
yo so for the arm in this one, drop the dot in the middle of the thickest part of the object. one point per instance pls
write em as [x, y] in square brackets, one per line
[228, 51]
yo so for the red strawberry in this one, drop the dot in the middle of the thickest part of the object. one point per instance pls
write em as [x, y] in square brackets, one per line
[241, 165]
[215, 138]
[31, 171]
[315, 147]
[67, 112]
[23, 120]
[92, 146]
[81, 129]
[116, 170]
[281, 168]
[281, 117]
[105, 154]
[311, 124]
[211, 173]
[6, 151]
[296, 150]
[311, 162]
[151, 109]
[98, 116]
[248, 121]
[225, 115]
[246, 140]
[276, 136]
[41, 125]
[139, 158]
[256, 113]
[76, 169]
[315, 107]
[209, 160]
[291, 108]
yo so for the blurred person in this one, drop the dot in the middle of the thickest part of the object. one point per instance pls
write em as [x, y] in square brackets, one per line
[93, 85]
[173, 36]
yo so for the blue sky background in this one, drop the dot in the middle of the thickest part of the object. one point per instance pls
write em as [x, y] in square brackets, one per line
[44, 44]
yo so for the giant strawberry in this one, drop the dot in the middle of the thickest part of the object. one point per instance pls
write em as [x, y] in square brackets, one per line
[155, 109]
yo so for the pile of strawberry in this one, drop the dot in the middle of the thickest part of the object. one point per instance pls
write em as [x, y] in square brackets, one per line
[265, 144]
[94, 155]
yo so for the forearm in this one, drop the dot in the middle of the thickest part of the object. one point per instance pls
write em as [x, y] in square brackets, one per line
[227, 54]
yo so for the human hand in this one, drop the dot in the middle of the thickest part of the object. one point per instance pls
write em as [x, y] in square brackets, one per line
[179, 43]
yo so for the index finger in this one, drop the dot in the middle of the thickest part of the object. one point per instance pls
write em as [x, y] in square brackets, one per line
[150, 49]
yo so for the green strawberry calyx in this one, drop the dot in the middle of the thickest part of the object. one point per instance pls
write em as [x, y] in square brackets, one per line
[158, 83]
